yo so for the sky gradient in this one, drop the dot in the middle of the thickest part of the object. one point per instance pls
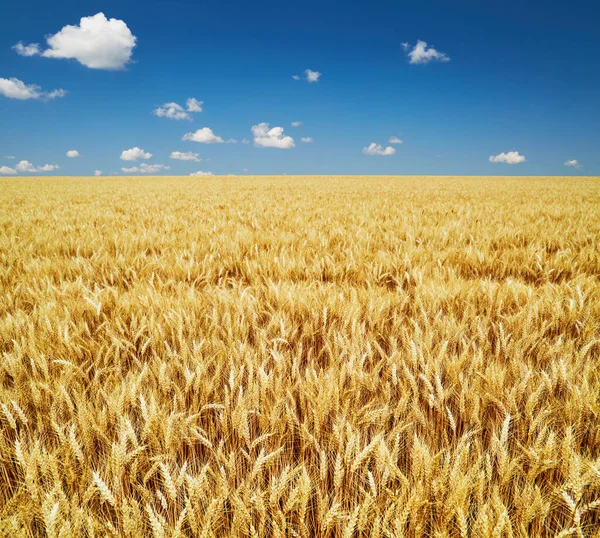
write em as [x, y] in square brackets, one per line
[503, 89]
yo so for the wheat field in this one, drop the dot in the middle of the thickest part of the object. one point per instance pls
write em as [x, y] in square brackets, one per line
[330, 357]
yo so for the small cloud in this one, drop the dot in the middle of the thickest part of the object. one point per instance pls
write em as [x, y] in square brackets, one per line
[296, 123]
[48, 168]
[26, 50]
[184, 156]
[245, 170]
[6, 170]
[296, 77]
[134, 154]
[394, 140]
[193, 105]
[574, 163]
[232, 141]
[8, 157]
[98, 173]
[201, 173]
[306, 139]
[173, 111]
[13, 88]
[72, 153]
[422, 54]
[245, 141]
[271, 138]
[312, 76]
[512, 157]
[26, 166]
[377, 149]
[145, 168]
[97, 43]
[203, 136]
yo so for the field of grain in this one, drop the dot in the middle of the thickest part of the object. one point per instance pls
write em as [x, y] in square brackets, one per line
[300, 357]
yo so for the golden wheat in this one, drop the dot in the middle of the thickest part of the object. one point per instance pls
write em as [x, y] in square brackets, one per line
[296, 357]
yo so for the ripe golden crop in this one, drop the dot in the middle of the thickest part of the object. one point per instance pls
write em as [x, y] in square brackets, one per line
[330, 357]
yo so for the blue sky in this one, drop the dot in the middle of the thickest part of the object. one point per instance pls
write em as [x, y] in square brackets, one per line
[516, 81]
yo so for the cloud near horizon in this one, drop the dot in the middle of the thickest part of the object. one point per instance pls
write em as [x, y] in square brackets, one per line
[512, 157]
[378, 149]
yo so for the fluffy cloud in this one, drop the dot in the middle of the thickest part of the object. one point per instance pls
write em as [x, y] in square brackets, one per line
[574, 163]
[377, 149]
[97, 43]
[48, 168]
[201, 173]
[134, 154]
[271, 138]
[72, 153]
[296, 123]
[184, 156]
[312, 76]
[394, 140]
[193, 105]
[306, 139]
[98, 173]
[296, 77]
[512, 157]
[175, 111]
[26, 166]
[7, 170]
[204, 136]
[145, 168]
[422, 54]
[13, 88]
[26, 50]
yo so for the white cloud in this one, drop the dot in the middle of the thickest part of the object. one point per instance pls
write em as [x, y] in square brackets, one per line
[271, 138]
[97, 43]
[26, 166]
[9, 157]
[98, 172]
[13, 88]
[312, 76]
[193, 105]
[296, 123]
[394, 140]
[26, 50]
[232, 141]
[72, 153]
[48, 168]
[145, 168]
[245, 169]
[574, 163]
[306, 139]
[184, 156]
[422, 54]
[7, 170]
[245, 141]
[512, 157]
[134, 154]
[201, 173]
[173, 111]
[204, 136]
[296, 77]
[377, 149]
